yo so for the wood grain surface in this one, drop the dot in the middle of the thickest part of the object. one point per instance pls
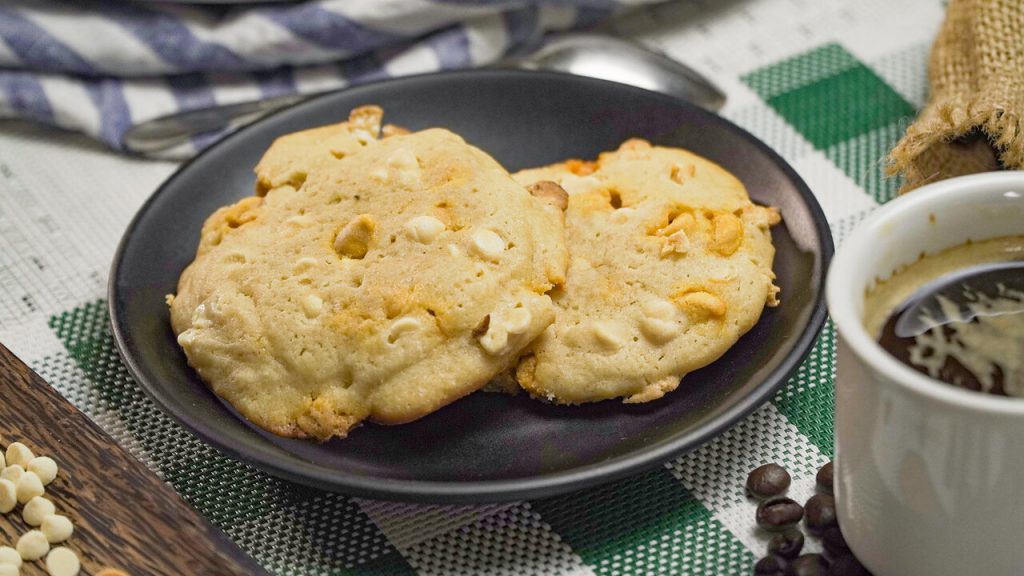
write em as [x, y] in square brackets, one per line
[124, 515]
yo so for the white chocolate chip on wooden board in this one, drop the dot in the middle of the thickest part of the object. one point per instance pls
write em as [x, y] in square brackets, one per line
[8, 496]
[12, 473]
[28, 487]
[9, 555]
[57, 528]
[18, 453]
[44, 467]
[36, 510]
[63, 561]
[9, 570]
[33, 545]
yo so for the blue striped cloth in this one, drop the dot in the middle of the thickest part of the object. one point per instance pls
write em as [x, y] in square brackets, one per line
[103, 66]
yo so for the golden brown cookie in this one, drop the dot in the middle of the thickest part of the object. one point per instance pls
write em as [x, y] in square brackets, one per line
[373, 278]
[670, 263]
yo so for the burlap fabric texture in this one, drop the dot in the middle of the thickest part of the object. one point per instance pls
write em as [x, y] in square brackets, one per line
[972, 121]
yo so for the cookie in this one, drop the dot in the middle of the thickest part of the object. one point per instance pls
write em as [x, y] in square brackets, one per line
[372, 279]
[292, 156]
[670, 263]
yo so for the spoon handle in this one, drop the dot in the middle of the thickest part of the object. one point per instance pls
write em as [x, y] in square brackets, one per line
[592, 55]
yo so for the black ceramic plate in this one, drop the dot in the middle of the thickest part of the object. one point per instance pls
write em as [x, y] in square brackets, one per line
[485, 447]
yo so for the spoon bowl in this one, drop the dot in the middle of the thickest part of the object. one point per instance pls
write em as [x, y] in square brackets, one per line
[955, 296]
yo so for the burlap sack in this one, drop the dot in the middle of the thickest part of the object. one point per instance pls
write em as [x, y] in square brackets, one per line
[972, 122]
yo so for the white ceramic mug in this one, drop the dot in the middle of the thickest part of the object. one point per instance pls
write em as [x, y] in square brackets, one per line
[929, 477]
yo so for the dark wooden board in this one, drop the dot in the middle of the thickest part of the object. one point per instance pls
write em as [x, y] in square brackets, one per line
[124, 515]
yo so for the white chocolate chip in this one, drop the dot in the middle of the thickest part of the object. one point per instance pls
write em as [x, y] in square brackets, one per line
[608, 334]
[44, 467]
[364, 137]
[186, 338]
[10, 556]
[503, 327]
[424, 229]
[32, 545]
[661, 309]
[3, 459]
[454, 250]
[18, 453]
[312, 305]
[28, 487]
[8, 496]
[488, 244]
[201, 316]
[495, 340]
[63, 561]
[9, 570]
[402, 326]
[299, 220]
[404, 167]
[517, 321]
[657, 330]
[303, 264]
[36, 510]
[622, 215]
[13, 473]
[56, 528]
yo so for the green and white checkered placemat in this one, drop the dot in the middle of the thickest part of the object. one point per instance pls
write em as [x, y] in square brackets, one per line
[830, 84]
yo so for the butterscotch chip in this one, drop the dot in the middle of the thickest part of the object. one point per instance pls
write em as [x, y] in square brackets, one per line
[550, 193]
[670, 264]
[364, 288]
[353, 240]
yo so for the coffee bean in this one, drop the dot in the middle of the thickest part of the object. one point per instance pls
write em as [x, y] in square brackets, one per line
[825, 479]
[768, 480]
[778, 514]
[787, 544]
[821, 512]
[848, 566]
[808, 565]
[770, 566]
[834, 543]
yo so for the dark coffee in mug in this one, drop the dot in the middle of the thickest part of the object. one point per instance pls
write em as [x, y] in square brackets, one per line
[957, 316]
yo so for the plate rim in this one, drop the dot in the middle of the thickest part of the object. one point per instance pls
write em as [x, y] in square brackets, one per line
[488, 491]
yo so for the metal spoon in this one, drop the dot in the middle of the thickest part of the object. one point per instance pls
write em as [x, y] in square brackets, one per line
[592, 55]
[923, 310]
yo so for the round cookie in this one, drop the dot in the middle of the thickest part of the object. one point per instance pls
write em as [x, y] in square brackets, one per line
[389, 280]
[670, 263]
